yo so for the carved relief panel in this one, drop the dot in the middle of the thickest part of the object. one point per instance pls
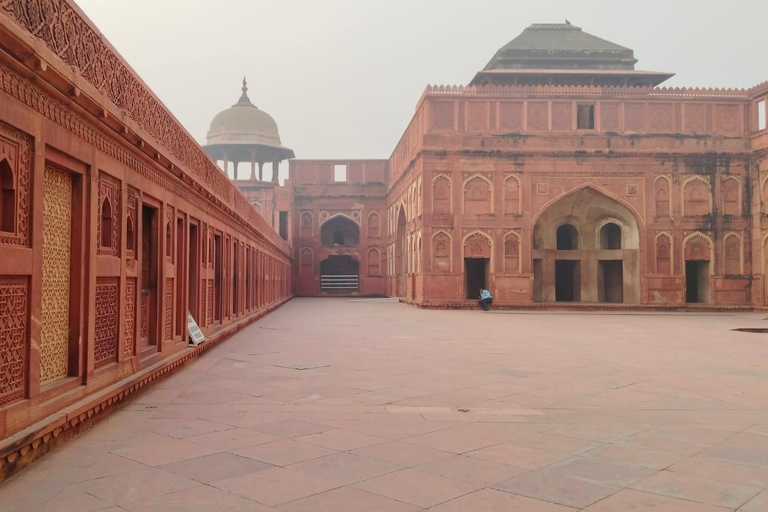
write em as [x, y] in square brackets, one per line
[109, 217]
[538, 116]
[15, 167]
[731, 197]
[562, 114]
[57, 245]
[511, 116]
[732, 254]
[441, 252]
[441, 194]
[512, 253]
[664, 254]
[511, 195]
[609, 117]
[477, 245]
[662, 194]
[14, 311]
[698, 248]
[374, 262]
[106, 331]
[374, 227]
[305, 225]
[477, 196]
[697, 197]
[443, 115]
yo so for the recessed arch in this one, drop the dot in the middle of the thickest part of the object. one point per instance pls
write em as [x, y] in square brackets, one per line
[474, 201]
[512, 202]
[693, 202]
[442, 242]
[731, 192]
[441, 194]
[7, 197]
[106, 223]
[733, 254]
[567, 237]
[306, 225]
[340, 230]
[512, 253]
[699, 260]
[664, 253]
[662, 189]
[609, 235]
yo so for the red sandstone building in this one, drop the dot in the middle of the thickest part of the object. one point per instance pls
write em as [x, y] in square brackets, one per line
[560, 173]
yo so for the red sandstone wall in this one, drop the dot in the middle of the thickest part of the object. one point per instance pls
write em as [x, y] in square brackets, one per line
[105, 195]
[318, 199]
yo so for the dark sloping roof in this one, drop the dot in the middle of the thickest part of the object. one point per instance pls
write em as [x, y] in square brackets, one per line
[559, 36]
[561, 46]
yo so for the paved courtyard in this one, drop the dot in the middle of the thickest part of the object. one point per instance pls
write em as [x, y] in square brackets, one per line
[332, 405]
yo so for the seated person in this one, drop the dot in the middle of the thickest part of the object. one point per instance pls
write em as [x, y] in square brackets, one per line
[485, 299]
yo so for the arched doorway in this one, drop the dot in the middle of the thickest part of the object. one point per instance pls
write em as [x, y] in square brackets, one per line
[401, 257]
[586, 249]
[340, 231]
[339, 275]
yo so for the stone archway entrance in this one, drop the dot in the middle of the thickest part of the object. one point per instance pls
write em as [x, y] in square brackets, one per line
[401, 257]
[586, 248]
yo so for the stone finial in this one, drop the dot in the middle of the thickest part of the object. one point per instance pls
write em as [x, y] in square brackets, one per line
[244, 100]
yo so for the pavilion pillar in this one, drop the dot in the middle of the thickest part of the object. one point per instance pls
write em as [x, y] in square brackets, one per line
[275, 169]
[261, 167]
[253, 169]
[225, 157]
[234, 168]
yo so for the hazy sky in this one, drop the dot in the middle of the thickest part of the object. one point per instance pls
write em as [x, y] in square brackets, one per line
[342, 77]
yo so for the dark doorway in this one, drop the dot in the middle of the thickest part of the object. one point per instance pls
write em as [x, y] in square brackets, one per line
[339, 275]
[217, 278]
[283, 225]
[149, 276]
[697, 281]
[611, 281]
[193, 297]
[475, 276]
[567, 238]
[538, 280]
[567, 280]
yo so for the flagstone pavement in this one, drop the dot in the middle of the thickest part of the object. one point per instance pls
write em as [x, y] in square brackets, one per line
[333, 405]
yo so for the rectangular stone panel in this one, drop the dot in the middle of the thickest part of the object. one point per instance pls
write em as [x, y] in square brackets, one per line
[57, 240]
[14, 311]
[168, 305]
[106, 335]
[130, 317]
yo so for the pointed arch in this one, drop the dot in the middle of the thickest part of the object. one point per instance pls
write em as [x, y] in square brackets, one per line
[699, 247]
[731, 192]
[340, 214]
[512, 195]
[697, 196]
[106, 223]
[306, 225]
[662, 188]
[441, 194]
[7, 197]
[442, 244]
[477, 195]
[306, 262]
[374, 262]
[512, 251]
[374, 225]
[664, 253]
[477, 244]
[605, 236]
[733, 254]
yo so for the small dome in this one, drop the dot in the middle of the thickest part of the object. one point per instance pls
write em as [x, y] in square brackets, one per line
[243, 123]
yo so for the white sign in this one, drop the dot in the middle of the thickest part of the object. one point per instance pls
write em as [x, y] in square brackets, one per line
[196, 336]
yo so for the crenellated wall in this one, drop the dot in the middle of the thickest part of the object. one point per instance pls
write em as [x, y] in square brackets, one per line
[113, 225]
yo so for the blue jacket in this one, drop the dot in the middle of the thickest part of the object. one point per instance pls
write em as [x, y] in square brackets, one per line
[485, 294]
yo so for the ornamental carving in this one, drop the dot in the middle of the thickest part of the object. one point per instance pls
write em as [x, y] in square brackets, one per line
[132, 218]
[441, 252]
[57, 243]
[538, 116]
[634, 117]
[512, 253]
[110, 211]
[477, 245]
[14, 305]
[511, 116]
[660, 117]
[130, 317]
[562, 113]
[477, 116]
[694, 118]
[168, 305]
[209, 302]
[511, 196]
[15, 154]
[477, 196]
[697, 197]
[442, 115]
[731, 206]
[664, 254]
[106, 330]
[145, 300]
[609, 117]
[727, 118]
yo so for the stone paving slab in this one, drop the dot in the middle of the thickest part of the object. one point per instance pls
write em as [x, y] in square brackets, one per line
[342, 405]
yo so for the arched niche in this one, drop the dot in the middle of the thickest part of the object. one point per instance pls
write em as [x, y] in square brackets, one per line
[339, 230]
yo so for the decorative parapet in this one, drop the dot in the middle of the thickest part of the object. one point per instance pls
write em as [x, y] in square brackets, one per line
[68, 33]
[759, 89]
[569, 90]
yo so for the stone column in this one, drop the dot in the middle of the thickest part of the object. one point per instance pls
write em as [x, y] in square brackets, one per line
[275, 170]
[253, 168]
[234, 168]
[261, 167]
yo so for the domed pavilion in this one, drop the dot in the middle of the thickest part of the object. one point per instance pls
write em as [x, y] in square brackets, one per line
[245, 133]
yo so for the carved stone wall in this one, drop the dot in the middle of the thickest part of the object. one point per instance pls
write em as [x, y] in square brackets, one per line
[16, 149]
[106, 334]
[168, 305]
[697, 198]
[57, 240]
[441, 252]
[109, 190]
[441, 194]
[14, 311]
[477, 196]
[130, 317]
[664, 254]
